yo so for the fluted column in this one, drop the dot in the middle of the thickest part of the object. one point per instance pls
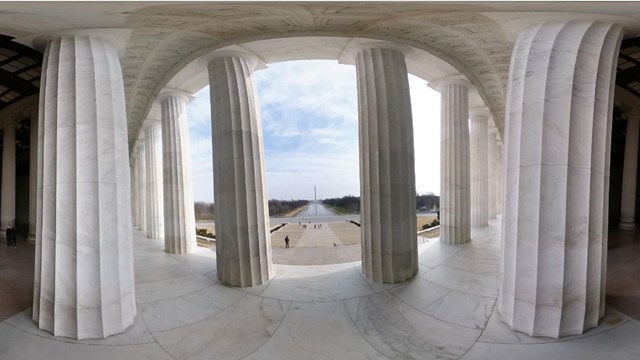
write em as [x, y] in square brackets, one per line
[84, 286]
[500, 176]
[629, 175]
[387, 174]
[8, 199]
[153, 163]
[141, 164]
[455, 200]
[179, 216]
[558, 128]
[33, 170]
[478, 134]
[134, 190]
[243, 243]
[493, 171]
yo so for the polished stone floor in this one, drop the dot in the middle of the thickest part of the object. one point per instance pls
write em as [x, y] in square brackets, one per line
[322, 312]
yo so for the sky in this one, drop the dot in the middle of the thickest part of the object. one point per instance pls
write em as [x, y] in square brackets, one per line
[309, 116]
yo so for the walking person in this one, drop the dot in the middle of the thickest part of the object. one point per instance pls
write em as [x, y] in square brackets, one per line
[8, 234]
[286, 242]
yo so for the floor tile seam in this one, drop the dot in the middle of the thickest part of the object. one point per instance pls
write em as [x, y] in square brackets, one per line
[165, 279]
[481, 332]
[155, 339]
[353, 322]
[560, 340]
[198, 321]
[190, 293]
[468, 272]
[174, 278]
[437, 319]
[273, 334]
[64, 339]
[458, 290]
[191, 268]
[139, 302]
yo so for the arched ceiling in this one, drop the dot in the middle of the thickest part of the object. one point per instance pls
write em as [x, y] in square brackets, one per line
[475, 38]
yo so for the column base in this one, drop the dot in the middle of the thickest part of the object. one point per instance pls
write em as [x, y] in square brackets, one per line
[31, 239]
[627, 225]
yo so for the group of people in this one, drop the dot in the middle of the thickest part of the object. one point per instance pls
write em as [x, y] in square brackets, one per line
[304, 226]
[315, 226]
[11, 236]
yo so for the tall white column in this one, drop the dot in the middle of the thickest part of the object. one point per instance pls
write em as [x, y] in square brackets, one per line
[629, 174]
[500, 178]
[243, 243]
[179, 217]
[493, 171]
[33, 170]
[84, 285]
[134, 189]
[141, 164]
[8, 199]
[387, 174]
[455, 209]
[558, 129]
[478, 133]
[153, 163]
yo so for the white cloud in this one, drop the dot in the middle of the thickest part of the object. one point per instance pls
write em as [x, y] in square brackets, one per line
[309, 114]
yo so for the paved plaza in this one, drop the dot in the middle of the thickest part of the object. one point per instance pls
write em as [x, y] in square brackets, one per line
[321, 312]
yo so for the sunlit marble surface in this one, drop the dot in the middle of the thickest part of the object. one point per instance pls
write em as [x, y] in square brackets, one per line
[322, 312]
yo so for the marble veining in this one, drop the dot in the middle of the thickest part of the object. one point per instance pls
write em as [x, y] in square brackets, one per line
[387, 174]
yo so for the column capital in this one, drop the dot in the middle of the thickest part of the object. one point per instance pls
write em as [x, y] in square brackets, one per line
[148, 123]
[139, 144]
[168, 92]
[10, 123]
[356, 46]
[116, 37]
[633, 115]
[479, 111]
[254, 61]
[438, 84]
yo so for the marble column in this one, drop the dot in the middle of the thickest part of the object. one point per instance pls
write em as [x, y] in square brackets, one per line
[558, 140]
[629, 175]
[500, 178]
[33, 170]
[84, 284]
[243, 242]
[493, 171]
[142, 185]
[455, 209]
[387, 174]
[134, 190]
[179, 216]
[478, 134]
[153, 163]
[8, 199]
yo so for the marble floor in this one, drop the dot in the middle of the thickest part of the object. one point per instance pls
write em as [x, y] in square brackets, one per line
[322, 312]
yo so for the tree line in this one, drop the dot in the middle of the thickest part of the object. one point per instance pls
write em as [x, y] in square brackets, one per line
[205, 210]
[281, 207]
[351, 204]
